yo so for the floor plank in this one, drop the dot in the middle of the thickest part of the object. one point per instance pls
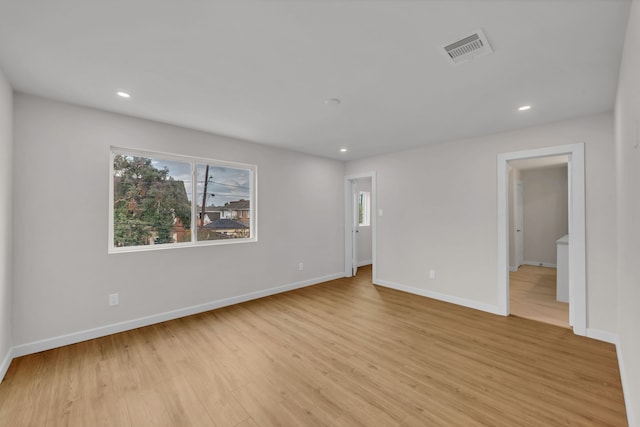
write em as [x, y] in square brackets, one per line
[532, 295]
[342, 353]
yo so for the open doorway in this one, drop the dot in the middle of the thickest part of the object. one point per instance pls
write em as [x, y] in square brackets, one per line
[539, 231]
[360, 223]
[576, 225]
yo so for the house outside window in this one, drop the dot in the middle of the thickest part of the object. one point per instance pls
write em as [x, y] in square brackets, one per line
[165, 201]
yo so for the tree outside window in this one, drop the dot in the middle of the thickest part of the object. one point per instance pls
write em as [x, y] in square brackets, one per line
[159, 200]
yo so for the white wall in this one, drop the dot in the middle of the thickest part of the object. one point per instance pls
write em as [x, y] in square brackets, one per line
[546, 216]
[453, 187]
[628, 179]
[364, 232]
[6, 215]
[63, 273]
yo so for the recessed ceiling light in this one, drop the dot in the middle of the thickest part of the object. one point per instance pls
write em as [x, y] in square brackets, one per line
[524, 108]
[332, 102]
[343, 150]
[124, 94]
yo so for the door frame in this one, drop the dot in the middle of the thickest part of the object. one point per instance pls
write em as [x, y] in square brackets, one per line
[348, 215]
[577, 226]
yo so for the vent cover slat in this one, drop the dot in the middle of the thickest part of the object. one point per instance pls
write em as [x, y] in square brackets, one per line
[468, 47]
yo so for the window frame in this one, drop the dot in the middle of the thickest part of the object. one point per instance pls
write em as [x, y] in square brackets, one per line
[194, 162]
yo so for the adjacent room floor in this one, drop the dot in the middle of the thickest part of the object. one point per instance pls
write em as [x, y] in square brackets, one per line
[341, 353]
[532, 294]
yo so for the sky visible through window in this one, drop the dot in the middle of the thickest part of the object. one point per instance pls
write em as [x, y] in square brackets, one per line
[153, 201]
[225, 184]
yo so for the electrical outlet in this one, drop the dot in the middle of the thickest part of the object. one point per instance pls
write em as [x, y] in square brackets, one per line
[114, 299]
[432, 275]
[300, 266]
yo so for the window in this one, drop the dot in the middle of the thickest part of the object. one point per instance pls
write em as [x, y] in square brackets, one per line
[164, 201]
[364, 208]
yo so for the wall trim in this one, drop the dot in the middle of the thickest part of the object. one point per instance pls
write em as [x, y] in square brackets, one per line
[625, 387]
[600, 335]
[365, 262]
[540, 264]
[101, 331]
[612, 338]
[4, 367]
[493, 309]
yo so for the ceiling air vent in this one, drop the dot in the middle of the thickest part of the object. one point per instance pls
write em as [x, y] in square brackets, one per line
[468, 48]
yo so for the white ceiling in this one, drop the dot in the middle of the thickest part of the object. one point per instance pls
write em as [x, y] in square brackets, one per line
[262, 70]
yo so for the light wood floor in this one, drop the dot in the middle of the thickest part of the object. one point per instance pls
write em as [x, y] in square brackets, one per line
[532, 295]
[342, 353]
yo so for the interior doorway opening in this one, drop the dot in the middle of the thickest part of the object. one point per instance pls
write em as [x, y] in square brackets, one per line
[576, 228]
[360, 223]
[538, 225]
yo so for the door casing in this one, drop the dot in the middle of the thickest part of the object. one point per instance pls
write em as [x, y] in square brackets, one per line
[349, 207]
[577, 228]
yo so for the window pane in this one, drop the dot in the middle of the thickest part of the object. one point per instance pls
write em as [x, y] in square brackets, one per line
[223, 201]
[151, 201]
[364, 208]
[157, 197]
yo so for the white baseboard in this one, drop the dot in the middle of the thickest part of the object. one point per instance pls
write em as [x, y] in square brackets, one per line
[441, 297]
[540, 264]
[5, 363]
[513, 268]
[630, 407]
[365, 262]
[76, 337]
[600, 335]
[613, 339]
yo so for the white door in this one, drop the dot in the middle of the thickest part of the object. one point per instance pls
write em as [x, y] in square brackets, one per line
[355, 220]
[519, 224]
[572, 290]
